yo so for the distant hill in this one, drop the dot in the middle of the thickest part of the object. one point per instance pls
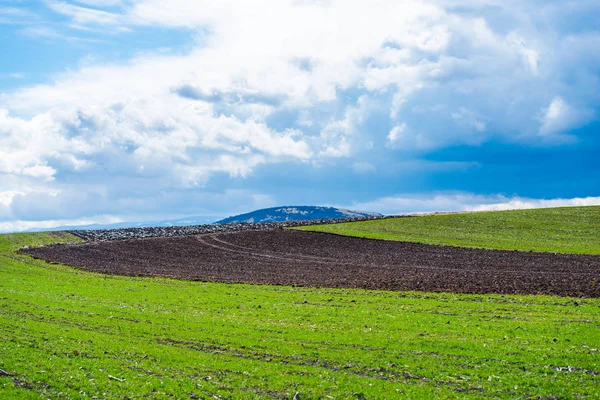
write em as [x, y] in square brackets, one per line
[296, 213]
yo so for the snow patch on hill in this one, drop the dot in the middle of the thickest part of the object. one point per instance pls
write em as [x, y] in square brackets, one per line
[296, 213]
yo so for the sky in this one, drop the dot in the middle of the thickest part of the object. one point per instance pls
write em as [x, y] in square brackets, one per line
[136, 110]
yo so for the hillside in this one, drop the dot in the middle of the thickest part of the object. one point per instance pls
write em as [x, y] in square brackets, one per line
[71, 334]
[295, 213]
[560, 230]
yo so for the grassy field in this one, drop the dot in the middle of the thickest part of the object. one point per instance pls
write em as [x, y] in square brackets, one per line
[561, 230]
[66, 333]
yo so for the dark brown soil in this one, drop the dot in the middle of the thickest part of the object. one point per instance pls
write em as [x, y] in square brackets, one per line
[285, 257]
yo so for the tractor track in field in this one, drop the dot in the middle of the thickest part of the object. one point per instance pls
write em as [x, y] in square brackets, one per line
[223, 245]
[287, 257]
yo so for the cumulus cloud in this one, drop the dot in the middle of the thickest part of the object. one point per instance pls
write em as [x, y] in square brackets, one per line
[558, 118]
[340, 137]
[468, 118]
[405, 138]
[395, 135]
[22, 143]
[185, 141]
[531, 57]
[5, 202]
[256, 89]
[448, 202]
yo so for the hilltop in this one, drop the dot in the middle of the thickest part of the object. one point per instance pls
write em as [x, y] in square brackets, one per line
[296, 213]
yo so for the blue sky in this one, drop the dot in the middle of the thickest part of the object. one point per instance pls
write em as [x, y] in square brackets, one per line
[121, 110]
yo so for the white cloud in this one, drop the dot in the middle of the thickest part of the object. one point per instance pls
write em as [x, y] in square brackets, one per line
[400, 98]
[7, 196]
[339, 138]
[22, 143]
[37, 208]
[396, 134]
[555, 117]
[403, 47]
[525, 203]
[39, 171]
[5, 203]
[16, 16]
[531, 57]
[402, 137]
[178, 121]
[84, 16]
[448, 202]
[184, 142]
[558, 117]
[468, 118]
[18, 226]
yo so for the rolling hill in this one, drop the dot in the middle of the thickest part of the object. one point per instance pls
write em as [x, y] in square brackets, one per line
[296, 213]
[556, 230]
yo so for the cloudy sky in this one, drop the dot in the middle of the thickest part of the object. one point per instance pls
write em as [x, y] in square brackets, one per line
[115, 110]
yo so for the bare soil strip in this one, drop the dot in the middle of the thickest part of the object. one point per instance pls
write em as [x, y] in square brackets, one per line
[284, 257]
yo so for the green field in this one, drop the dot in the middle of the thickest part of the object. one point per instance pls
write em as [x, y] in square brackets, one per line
[560, 230]
[66, 333]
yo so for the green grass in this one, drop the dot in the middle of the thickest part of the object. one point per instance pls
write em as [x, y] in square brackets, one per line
[560, 230]
[65, 332]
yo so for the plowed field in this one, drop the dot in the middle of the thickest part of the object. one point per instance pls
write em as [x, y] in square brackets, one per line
[284, 257]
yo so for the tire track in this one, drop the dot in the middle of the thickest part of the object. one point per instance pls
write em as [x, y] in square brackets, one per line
[249, 252]
[297, 256]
